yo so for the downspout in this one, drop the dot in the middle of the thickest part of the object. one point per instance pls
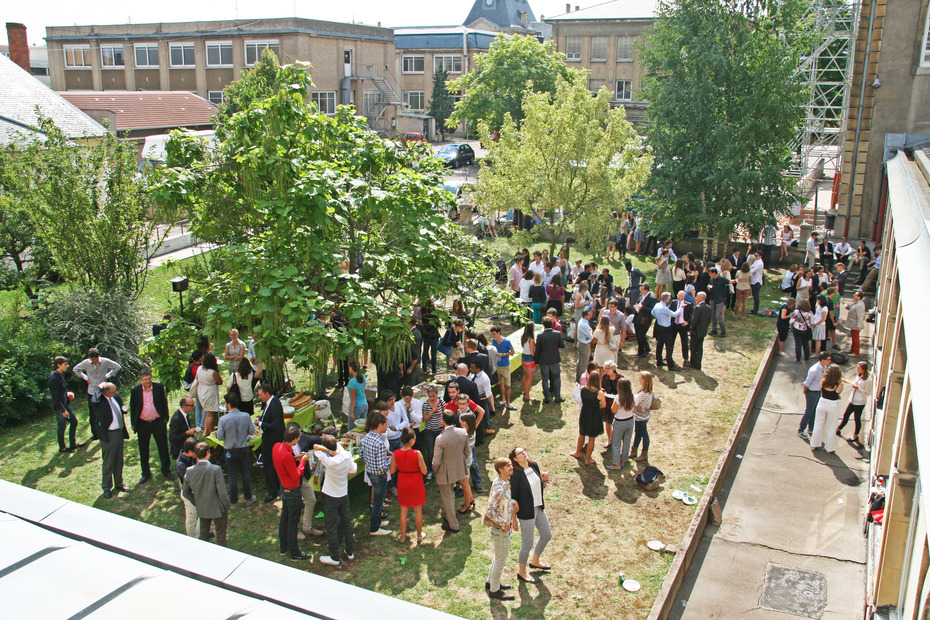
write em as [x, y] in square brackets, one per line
[855, 160]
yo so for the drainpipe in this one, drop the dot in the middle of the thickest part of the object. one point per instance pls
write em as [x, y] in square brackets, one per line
[855, 160]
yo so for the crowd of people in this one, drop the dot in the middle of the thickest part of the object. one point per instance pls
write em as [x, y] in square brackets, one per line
[409, 442]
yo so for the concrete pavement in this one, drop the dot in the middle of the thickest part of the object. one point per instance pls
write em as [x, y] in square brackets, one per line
[791, 543]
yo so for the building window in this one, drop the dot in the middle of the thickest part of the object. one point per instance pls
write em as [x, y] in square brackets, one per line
[596, 85]
[413, 64]
[325, 100]
[624, 49]
[414, 100]
[77, 56]
[182, 54]
[925, 55]
[219, 54]
[146, 56]
[598, 49]
[215, 96]
[624, 90]
[573, 49]
[253, 50]
[370, 99]
[111, 55]
[452, 64]
[40, 71]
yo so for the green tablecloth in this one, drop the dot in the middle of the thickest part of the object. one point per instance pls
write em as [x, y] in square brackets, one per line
[254, 442]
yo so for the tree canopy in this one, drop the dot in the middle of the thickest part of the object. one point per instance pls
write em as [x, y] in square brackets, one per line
[725, 105]
[440, 103]
[573, 152]
[498, 84]
[320, 217]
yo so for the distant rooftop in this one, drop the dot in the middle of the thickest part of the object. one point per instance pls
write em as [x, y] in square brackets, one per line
[614, 9]
[145, 109]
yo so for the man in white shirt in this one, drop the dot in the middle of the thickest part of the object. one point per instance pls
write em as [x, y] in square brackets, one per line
[755, 279]
[537, 266]
[811, 253]
[112, 431]
[412, 409]
[483, 382]
[672, 259]
[339, 466]
[842, 250]
[397, 420]
[583, 338]
[516, 273]
[95, 370]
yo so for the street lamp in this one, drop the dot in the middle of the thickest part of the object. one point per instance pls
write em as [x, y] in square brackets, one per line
[179, 285]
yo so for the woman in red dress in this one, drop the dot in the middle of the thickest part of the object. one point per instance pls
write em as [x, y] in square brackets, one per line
[409, 467]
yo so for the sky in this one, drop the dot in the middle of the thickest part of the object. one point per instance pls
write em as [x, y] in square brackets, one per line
[36, 16]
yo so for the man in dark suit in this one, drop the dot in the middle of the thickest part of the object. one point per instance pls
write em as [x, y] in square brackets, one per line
[179, 428]
[61, 405]
[272, 424]
[700, 322]
[148, 414]
[644, 319]
[112, 431]
[737, 259]
[548, 359]
[682, 325]
[204, 488]
[466, 385]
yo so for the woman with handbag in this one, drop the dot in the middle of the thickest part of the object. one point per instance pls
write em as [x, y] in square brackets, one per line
[644, 403]
[526, 488]
[240, 382]
[208, 391]
[800, 323]
[603, 337]
[501, 517]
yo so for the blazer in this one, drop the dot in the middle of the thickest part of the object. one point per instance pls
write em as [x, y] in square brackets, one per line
[645, 312]
[204, 488]
[686, 315]
[466, 386]
[521, 492]
[59, 390]
[548, 344]
[159, 399]
[272, 422]
[105, 417]
[177, 431]
[700, 320]
[449, 455]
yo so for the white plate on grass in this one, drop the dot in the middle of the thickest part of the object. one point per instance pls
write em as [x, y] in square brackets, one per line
[656, 545]
[631, 585]
[678, 494]
[689, 500]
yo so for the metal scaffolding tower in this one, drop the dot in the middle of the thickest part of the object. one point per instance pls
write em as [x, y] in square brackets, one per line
[827, 70]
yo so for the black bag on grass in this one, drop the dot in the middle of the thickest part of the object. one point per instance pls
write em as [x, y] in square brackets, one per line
[650, 478]
[839, 358]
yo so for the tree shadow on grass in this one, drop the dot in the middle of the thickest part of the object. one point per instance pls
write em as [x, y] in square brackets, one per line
[65, 463]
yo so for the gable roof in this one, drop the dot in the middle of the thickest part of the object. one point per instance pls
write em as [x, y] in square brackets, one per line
[21, 94]
[145, 109]
[614, 9]
[506, 14]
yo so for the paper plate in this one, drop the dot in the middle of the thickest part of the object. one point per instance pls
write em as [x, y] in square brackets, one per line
[689, 500]
[678, 494]
[656, 545]
[631, 585]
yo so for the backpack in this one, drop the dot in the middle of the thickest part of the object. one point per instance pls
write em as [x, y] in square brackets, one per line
[839, 358]
[650, 478]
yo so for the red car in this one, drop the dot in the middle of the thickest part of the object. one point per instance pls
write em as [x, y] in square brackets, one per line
[411, 136]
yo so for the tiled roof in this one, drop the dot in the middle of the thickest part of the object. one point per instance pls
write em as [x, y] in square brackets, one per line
[21, 94]
[615, 9]
[146, 109]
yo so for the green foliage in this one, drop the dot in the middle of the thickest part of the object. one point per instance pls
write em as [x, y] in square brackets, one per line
[26, 354]
[255, 84]
[298, 196]
[169, 352]
[110, 321]
[87, 204]
[573, 152]
[725, 104]
[501, 78]
[440, 103]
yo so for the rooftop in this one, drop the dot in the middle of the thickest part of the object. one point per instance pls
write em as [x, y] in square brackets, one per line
[614, 9]
[146, 109]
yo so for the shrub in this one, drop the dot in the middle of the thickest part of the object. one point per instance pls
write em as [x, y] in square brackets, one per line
[169, 352]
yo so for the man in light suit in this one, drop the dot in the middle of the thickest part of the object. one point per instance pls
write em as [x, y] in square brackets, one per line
[112, 431]
[272, 424]
[148, 414]
[700, 321]
[449, 455]
[61, 405]
[204, 488]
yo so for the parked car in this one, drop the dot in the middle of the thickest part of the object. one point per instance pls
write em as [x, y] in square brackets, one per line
[455, 155]
[411, 136]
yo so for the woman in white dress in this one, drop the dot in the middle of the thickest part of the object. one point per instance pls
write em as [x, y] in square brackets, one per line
[828, 410]
[208, 391]
[664, 273]
[819, 326]
[602, 338]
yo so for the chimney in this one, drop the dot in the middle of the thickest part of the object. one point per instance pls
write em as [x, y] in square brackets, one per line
[577, 7]
[524, 19]
[568, 8]
[19, 46]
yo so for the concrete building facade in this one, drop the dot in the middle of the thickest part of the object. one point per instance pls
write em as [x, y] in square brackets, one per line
[890, 94]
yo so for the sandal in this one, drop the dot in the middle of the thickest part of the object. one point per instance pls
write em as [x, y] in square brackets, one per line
[421, 538]
[540, 566]
[525, 579]
[590, 462]
[467, 509]
[401, 538]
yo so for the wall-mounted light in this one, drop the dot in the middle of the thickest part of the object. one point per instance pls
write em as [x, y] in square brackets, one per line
[877, 83]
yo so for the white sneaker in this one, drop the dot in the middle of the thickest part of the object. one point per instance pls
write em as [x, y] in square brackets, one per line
[325, 559]
[350, 557]
[381, 532]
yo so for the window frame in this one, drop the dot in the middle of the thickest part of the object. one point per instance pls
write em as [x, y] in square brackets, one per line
[260, 45]
[629, 89]
[571, 54]
[631, 50]
[114, 49]
[453, 57]
[413, 58]
[148, 47]
[316, 95]
[603, 57]
[601, 84]
[210, 94]
[86, 58]
[183, 47]
[421, 95]
[219, 44]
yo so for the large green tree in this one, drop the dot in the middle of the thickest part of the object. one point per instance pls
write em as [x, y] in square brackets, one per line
[725, 104]
[440, 103]
[328, 218]
[501, 78]
[572, 153]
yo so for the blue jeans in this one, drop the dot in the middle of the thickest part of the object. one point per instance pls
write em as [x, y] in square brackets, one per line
[199, 415]
[641, 434]
[358, 413]
[812, 399]
[475, 471]
[551, 380]
[430, 447]
[379, 486]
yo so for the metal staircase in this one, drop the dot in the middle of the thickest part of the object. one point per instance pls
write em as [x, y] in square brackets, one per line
[388, 96]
